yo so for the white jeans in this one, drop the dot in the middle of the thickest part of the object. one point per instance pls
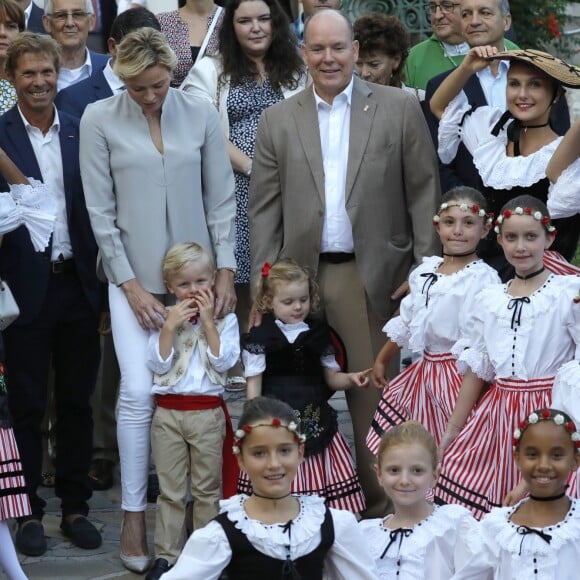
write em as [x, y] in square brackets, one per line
[135, 407]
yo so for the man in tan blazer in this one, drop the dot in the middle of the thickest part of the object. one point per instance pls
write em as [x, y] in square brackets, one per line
[345, 181]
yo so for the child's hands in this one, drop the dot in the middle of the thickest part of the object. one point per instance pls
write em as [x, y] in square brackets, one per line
[181, 312]
[205, 301]
[516, 494]
[451, 432]
[378, 375]
[360, 379]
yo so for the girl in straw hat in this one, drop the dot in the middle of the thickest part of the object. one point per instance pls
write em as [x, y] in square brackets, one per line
[511, 149]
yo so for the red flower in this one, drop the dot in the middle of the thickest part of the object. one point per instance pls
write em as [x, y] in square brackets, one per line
[577, 444]
[435, 223]
[553, 25]
[474, 208]
[247, 428]
[546, 414]
[515, 442]
[266, 269]
[545, 220]
[528, 210]
[570, 427]
[491, 215]
[523, 424]
[507, 213]
[276, 422]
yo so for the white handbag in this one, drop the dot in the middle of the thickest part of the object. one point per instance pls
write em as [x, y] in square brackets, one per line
[9, 310]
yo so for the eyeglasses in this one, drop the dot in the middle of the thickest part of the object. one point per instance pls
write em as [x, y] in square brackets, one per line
[445, 7]
[62, 15]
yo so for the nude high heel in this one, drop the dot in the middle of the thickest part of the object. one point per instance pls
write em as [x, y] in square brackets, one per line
[138, 564]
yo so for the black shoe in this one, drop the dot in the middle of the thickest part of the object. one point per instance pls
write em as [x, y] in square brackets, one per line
[160, 566]
[101, 474]
[152, 488]
[30, 539]
[81, 533]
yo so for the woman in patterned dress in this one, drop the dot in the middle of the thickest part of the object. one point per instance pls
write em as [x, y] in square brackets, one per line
[11, 25]
[258, 66]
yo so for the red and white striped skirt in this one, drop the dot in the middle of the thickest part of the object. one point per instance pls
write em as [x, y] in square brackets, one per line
[425, 391]
[13, 497]
[478, 467]
[330, 474]
[557, 264]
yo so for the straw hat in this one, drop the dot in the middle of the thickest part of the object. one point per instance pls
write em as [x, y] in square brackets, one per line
[566, 74]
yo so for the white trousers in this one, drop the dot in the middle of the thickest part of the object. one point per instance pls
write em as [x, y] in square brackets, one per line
[135, 406]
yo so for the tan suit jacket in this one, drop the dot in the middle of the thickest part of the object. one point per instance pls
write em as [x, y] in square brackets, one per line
[392, 187]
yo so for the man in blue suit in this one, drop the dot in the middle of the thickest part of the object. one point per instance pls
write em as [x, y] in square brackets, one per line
[69, 23]
[58, 294]
[33, 16]
[105, 83]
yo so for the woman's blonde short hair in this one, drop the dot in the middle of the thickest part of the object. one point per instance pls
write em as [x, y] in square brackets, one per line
[181, 255]
[141, 49]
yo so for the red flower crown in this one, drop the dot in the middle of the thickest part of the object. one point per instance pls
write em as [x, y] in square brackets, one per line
[547, 415]
[537, 215]
[244, 430]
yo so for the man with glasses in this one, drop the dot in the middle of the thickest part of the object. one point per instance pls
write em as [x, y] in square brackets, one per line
[444, 49]
[69, 23]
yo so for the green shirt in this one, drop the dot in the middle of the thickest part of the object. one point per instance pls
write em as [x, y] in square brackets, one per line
[428, 59]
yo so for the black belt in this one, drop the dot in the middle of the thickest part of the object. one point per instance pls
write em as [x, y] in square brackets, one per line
[63, 266]
[336, 257]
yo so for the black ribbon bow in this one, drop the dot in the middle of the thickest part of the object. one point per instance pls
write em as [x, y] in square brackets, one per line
[400, 533]
[516, 304]
[289, 570]
[430, 279]
[526, 530]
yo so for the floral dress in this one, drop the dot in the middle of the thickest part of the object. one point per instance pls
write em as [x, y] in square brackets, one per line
[245, 104]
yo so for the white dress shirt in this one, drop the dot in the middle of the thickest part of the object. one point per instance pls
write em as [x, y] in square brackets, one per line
[334, 126]
[115, 83]
[71, 76]
[494, 86]
[27, 13]
[49, 158]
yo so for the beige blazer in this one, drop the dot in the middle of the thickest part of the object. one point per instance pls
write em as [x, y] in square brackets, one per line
[141, 202]
[392, 187]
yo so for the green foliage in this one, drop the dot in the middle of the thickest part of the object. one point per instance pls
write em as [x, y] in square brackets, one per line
[540, 23]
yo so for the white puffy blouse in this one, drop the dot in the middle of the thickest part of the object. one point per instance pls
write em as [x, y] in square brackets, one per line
[207, 552]
[519, 338]
[437, 311]
[430, 552]
[564, 195]
[498, 551]
[489, 152]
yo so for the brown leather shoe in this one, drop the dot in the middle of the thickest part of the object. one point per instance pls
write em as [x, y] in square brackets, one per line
[101, 474]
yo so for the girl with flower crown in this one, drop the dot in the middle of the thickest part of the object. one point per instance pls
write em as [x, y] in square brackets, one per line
[272, 533]
[431, 320]
[538, 537]
[520, 335]
[510, 148]
[290, 356]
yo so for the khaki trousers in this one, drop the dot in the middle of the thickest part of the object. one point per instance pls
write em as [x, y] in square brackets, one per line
[185, 442]
[347, 310]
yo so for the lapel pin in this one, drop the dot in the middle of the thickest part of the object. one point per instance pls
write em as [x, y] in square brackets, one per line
[366, 108]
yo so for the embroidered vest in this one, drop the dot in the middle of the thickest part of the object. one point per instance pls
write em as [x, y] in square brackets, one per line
[185, 339]
[247, 563]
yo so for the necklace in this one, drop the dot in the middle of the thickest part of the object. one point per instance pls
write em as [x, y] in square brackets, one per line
[452, 256]
[549, 498]
[532, 275]
[271, 498]
[526, 127]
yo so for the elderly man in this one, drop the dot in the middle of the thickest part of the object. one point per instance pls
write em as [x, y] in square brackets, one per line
[58, 294]
[345, 181]
[69, 23]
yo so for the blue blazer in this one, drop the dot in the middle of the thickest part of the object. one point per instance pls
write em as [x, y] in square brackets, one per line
[75, 98]
[26, 270]
[462, 171]
[35, 20]
[99, 60]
